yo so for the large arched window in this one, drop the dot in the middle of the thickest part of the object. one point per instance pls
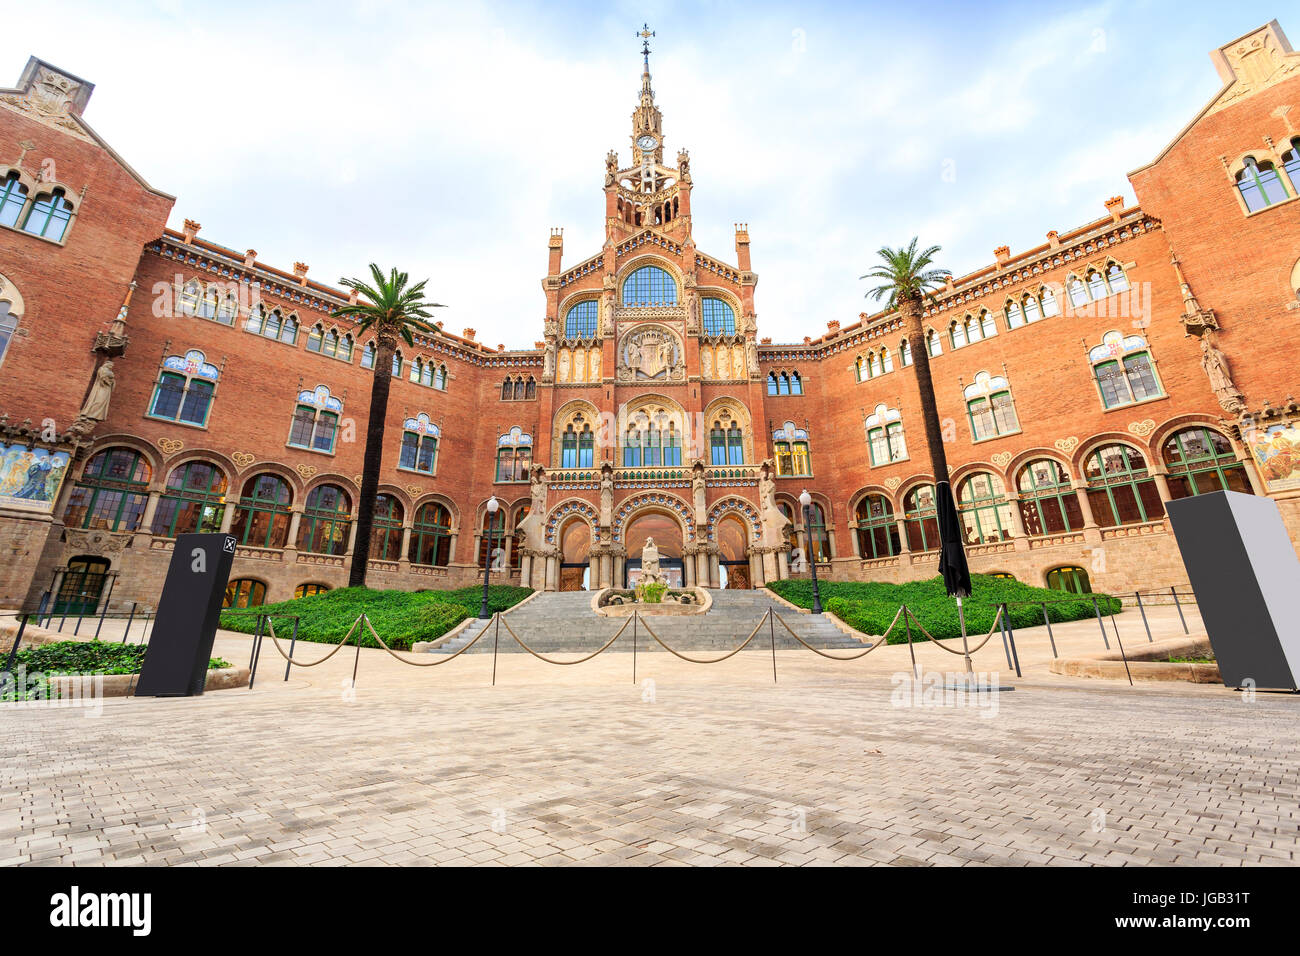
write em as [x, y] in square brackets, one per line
[877, 530]
[244, 593]
[793, 458]
[816, 535]
[1291, 163]
[990, 408]
[580, 322]
[50, 215]
[1201, 460]
[649, 285]
[885, 436]
[386, 533]
[1072, 579]
[652, 440]
[984, 510]
[419, 451]
[1120, 489]
[919, 519]
[718, 317]
[194, 499]
[1048, 504]
[726, 444]
[263, 517]
[431, 536]
[112, 492]
[514, 455]
[1123, 370]
[368, 355]
[496, 524]
[184, 390]
[1259, 185]
[13, 197]
[326, 521]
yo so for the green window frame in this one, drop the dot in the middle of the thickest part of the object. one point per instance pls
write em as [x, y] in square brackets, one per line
[649, 286]
[13, 199]
[1259, 185]
[1071, 579]
[50, 215]
[983, 509]
[877, 529]
[1201, 460]
[326, 522]
[418, 453]
[1048, 502]
[262, 520]
[1121, 489]
[193, 500]
[431, 536]
[112, 494]
[920, 519]
[386, 532]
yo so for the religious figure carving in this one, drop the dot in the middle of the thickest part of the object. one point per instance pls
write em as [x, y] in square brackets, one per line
[650, 571]
[698, 486]
[773, 520]
[533, 526]
[606, 495]
[96, 407]
[692, 312]
[706, 363]
[1216, 368]
[751, 351]
[611, 168]
[548, 363]
[650, 353]
[683, 166]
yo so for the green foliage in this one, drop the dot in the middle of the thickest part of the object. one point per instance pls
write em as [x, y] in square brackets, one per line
[651, 592]
[81, 657]
[904, 274]
[870, 606]
[401, 618]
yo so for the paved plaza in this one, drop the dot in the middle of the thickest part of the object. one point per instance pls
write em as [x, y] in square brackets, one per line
[691, 764]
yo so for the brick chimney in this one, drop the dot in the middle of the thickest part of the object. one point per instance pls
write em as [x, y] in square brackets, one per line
[1054, 239]
[1114, 205]
[1002, 254]
[556, 246]
[469, 334]
[832, 326]
[742, 246]
[300, 270]
[250, 257]
[191, 230]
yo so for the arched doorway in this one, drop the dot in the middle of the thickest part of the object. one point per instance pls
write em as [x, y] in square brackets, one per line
[575, 551]
[667, 532]
[733, 553]
[82, 585]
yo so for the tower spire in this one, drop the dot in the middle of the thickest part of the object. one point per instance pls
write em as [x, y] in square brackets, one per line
[647, 121]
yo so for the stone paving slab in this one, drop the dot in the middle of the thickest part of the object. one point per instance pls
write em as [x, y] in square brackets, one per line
[694, 765]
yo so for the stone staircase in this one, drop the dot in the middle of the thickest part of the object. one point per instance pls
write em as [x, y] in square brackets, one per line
[563, 622]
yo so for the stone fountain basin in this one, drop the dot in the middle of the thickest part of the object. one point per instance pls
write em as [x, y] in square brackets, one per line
[703, 601]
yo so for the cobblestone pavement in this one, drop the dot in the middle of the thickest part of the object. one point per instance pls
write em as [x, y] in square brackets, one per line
[705, 765]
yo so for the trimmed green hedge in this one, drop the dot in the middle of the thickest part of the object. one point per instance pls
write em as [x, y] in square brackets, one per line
[870, 606]
[400, 617]
[78, 657]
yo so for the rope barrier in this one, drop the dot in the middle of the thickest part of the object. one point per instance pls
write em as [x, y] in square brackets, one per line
[852, 657]
[696, 660]
[450, 657]
[276, 641]
[960, 653]
[581, 660]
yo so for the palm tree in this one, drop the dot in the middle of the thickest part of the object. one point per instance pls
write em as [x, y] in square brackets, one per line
[390, 311]
[907, 280]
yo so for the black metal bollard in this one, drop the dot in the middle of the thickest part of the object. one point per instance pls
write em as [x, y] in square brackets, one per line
[1174, 591]
[1097, 610]
[1142, 608]
[1050, 637]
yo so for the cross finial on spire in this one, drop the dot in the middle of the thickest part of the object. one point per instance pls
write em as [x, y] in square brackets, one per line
[645, 33]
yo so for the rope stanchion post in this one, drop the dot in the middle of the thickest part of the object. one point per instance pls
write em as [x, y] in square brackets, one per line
[771, 629]
[18, 639]
[257, 648]
[635, 613]
[292, 642]
[1142, 608]
[1011, 636]
[112, 580]
[356, 659]
[1097, 610]
[126, 633]
[1050, 637]
[1006, 646]
[907, 623]
[961, 617]
[1173, 589]
[496, 640]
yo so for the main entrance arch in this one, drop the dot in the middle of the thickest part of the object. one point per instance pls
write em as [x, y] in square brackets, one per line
[732, 538]
[669, 539]
[575, 554]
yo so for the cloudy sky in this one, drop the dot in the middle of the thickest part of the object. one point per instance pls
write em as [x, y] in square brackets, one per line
[448, 138]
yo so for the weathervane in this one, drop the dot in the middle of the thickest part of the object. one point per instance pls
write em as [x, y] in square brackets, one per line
[645, 33]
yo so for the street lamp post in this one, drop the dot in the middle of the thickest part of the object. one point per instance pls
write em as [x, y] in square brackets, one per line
[492, 507]
[805, 499]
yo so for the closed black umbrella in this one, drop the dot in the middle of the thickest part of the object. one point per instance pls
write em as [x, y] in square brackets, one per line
[952, 553]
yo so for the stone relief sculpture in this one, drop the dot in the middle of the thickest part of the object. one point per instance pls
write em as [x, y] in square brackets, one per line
[751, 352]
[649, 353]
[650, 571]
[548, 363]
[698, 488]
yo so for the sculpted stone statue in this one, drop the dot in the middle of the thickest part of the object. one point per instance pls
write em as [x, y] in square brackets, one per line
[548, 363]
[698, 487]
[96, 407]
[1216, 368]
[650, 572]
[533, 527]
[611, 168]
[606, 495]
[751, 352]
[774, 522]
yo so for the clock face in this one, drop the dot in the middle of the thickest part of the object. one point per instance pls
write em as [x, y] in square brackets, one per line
[647, 142]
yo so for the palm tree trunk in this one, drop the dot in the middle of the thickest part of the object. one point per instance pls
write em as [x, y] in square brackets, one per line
[911, 313]
[381, 382]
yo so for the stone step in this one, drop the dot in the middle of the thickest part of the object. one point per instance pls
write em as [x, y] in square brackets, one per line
[563, 622]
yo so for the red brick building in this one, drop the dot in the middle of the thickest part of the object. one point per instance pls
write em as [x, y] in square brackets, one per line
[154, 382]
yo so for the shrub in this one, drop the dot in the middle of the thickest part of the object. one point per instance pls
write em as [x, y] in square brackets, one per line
[401, 618]
[870, 606]
[81, 657]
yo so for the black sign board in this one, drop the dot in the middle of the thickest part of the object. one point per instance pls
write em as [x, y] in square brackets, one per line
[186, 624]
[1245, 574]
